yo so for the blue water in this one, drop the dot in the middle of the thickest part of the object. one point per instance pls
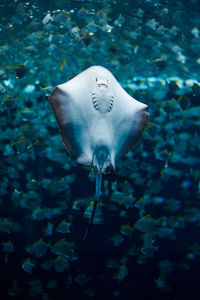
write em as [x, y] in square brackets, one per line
[144, 242]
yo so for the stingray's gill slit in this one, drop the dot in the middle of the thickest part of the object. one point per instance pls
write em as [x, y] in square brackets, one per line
[102, 96]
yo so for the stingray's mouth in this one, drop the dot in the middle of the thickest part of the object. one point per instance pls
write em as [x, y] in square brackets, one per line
[102, 84]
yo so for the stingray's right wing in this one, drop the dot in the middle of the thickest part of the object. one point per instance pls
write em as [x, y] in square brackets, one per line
[72, 121]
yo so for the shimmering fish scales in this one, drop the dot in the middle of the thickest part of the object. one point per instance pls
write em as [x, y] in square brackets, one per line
[99, 122]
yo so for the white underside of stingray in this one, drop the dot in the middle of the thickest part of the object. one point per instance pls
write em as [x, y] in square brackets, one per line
[99, 122]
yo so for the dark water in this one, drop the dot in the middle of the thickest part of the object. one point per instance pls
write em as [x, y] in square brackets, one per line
[145, 240]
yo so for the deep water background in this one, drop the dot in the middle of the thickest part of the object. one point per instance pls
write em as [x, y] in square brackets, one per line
[152, 48]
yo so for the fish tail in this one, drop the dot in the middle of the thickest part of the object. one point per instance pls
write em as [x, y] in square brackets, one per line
[97, 196]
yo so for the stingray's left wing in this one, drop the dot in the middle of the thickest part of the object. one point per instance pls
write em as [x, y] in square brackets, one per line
[66, 101]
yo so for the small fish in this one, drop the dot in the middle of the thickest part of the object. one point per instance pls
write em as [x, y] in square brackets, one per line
[152, 24]
[75, 32]
[98, 218]
[91, 28]
[38, 249]
[87, 39]
[28, 114]
[63, 227]
[47, 19]
[20, 70]
[160, 283]
[128, 201]
[125, 229]
[148, 249]
[28, 265]
[8, 103]
[36, 287]
[65, 249]
[152, 129]
[184, 102]
[163, 155]
[160, 63]
[47, 265]
[117, 239]
[16, 196]
[63, 18]
[22, 145]
[117, 197]
[195, 32]
[60, 263]
[2, 89]
[85, 14]
[122, 273]
[6, 225]
[76, 205]
[48, 230]
[3, 74]
[38, 214]
[195, 89]
[146, 224]
[119, 21]
[8, 247]
[62, 64]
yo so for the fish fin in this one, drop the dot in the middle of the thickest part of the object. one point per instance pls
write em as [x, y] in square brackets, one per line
[97, 196]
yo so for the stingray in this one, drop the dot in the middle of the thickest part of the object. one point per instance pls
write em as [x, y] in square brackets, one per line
[99, 121]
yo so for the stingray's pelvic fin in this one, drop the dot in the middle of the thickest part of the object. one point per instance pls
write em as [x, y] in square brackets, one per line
[97, 196]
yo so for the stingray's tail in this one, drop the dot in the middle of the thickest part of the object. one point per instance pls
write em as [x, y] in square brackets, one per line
[97, 196]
